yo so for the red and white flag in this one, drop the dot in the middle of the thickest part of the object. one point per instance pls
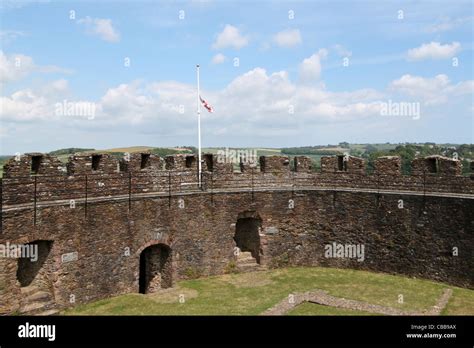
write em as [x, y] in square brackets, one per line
[206, 105]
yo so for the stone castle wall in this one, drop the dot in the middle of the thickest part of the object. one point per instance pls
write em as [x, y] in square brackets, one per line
[99, 223]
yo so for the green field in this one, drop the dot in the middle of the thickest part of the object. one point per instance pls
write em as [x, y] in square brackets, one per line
[253, 293]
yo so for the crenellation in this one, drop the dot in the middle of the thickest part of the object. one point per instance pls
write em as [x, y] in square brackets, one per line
[343, 164]
[34, 163]
[141, 162]
[217, 164]
[388, 165]
[303, 164]
[93, 163]
[90, 217]
[181, 162]
[274, 164]
[436, 165]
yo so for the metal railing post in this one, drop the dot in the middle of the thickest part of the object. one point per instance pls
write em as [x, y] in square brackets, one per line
[169, 188]
[129, 191]
[85, 201]
[34, 203]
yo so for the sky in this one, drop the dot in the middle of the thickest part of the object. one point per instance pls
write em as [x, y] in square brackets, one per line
[105, 74]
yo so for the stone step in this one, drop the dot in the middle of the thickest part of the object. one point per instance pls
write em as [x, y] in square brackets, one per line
[247, 262]
[30, 308]
[244, 254]
[48, 312]
[248, 259]
[28, 290]
[40, 296]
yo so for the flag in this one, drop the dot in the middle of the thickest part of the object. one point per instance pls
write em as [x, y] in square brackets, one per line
[206, 105]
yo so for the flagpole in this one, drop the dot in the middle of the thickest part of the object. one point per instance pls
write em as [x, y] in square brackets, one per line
[199, 128]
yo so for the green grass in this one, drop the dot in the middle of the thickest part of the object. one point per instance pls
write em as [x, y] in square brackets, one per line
[253, 293]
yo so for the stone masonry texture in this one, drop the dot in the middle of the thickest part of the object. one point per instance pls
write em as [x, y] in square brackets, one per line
[95, 224]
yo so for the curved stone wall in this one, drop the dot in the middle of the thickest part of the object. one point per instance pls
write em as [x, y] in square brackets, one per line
[98, 233]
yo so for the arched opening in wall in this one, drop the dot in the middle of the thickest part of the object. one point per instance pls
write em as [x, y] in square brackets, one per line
[247, 235]
[33, 263]
[155, 269]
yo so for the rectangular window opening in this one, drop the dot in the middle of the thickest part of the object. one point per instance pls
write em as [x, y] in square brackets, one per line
[35, 164]
[432, 165]
[190, 160]
[209, 162]
[145, 162]
[96, 161]
[341, 165]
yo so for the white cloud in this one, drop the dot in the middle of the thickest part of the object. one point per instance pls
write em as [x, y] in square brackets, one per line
[218, 59]
[446, 24]
[14, 67]
[288, 38]
[431, 91]
[341, 50]
[7, 36]
[25, 105]
[230, 37]
[168, 106]
[255, 104]
[434, 50]
[310, 68]
[101, 27]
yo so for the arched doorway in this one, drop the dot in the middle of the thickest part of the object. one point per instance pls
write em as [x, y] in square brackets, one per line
[247, 234]
[34, 269]
[155, 268]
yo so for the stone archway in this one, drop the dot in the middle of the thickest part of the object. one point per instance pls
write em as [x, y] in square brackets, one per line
[156, 271]
[247, 234]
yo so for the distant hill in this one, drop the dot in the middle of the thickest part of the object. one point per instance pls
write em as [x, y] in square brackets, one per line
[69, 151]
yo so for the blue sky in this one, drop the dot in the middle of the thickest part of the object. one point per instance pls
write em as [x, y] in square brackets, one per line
[289, 88]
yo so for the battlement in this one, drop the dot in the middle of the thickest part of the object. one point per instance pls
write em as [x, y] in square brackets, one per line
[274, 164]
[181, 162]
[343, 164]
[436, 165]
[217, 164]
[102, 175]
[388, 165]
[94, 163]
[141, 161]
[302, 164]
[39, 164]
[84, 218]
[35, 163]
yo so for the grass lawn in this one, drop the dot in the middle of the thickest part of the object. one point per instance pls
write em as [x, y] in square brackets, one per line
[253, 293]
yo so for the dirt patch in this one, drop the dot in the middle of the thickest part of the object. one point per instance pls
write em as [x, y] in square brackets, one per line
[173, 295]
[248, 280]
